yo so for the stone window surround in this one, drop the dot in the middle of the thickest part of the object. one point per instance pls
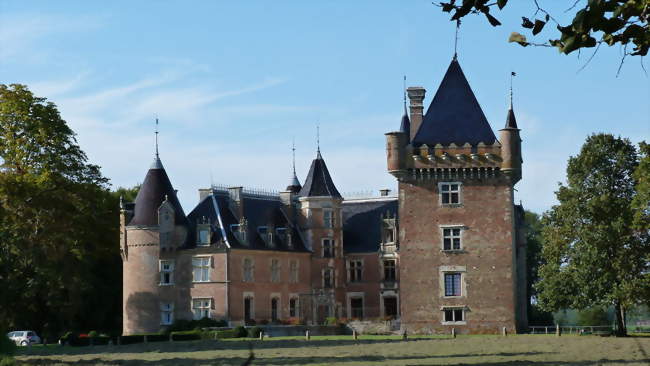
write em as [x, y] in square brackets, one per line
[210, 265]
[460, 194]
[332, 277]
[248, 295]
[442, 237]
[354, 295]
[348, 268]
[296, 268]
[296, 297]
[329, 222]
[166, 307]
[199, 228]
[322, 242]
[275, 277]
[388, 294]
[278, 297]
[162, 271]
[383, 269]
[245, 268]
[455, 307]
[210, 307]
[441, 280]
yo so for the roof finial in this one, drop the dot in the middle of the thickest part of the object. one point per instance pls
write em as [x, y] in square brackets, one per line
[512, 76]
[157, 137]
[293, 153]
[318, 139]
[404, 94]
[456, 39]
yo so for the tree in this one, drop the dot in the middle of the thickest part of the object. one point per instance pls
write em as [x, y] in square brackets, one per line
[596, 22]
[534, 260]
[593, 256]
[59, 265]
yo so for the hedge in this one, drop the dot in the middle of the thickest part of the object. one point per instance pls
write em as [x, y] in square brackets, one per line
[187, 335]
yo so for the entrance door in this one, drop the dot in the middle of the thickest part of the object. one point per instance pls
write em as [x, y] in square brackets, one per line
[390, 306]
[247, 308]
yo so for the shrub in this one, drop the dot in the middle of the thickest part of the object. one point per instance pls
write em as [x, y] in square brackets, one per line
[593, 316]
[188, 335]
[254, 332]
[7, 346]
[7, 361]
[250, 322]
[93, 334]
[224, 334]
[240, 332]
[330, 320]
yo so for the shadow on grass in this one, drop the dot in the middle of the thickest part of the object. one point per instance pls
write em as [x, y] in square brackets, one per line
[287, 360]
[190, 346]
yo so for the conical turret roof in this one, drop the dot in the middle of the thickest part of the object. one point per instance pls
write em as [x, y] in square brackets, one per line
[454, 114]
[154, 190]
[405, 126]
[511, 121]
[318, 181]
[294, 186]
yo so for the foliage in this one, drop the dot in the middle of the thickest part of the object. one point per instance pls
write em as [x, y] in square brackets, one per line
[641, 202]
[593, 316]
[58, 258]
[254, 332]
[225, 334]
[241, 331]
[182, 324]
[330, 320]
[7, 346]
[595, 22]
[7, 361]
[187, 335]
[537, 316]
[592, 254]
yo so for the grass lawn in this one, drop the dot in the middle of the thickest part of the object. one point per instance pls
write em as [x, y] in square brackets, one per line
[368, 350]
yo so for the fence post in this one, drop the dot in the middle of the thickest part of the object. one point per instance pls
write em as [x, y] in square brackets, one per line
[261, 335]
[453, 332]
[405, 336]
[504, 332]
[546, 329]
[557, 330]
[145, 339]
[354, 334]
[307, 337]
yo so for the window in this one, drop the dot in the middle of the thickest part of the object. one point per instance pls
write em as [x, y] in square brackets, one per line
[201, 266]
[452, 284]
[266, 234]
[166, 313]
[389, 270]
[328, 278]
[284, 236]
[390, 306]
[248, 270]
[275, 270]
[454, 315]
[166, 272]
[328, 218]
[328, 248]
[450, 193]
[354, 270]
[201, 308]
[293, 271]
[248, 308]
[239, 232]
[389, 234]
[274, 308]
[203, 235]
[356, 307]
[293, 307]
[451, 239]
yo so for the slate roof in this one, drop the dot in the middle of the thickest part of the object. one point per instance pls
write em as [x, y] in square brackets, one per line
[294, 186]
[362, 223]
[257, 211]
[405, 125]
[511, 121]
[152, 193]
[454, 114]
[318, 181]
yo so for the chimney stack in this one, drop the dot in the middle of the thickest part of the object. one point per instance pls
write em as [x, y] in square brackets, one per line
[416, 97]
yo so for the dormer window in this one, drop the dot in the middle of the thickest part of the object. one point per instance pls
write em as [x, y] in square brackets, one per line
[203, 235]
[239, 232]
[266, 234]
[284, 235]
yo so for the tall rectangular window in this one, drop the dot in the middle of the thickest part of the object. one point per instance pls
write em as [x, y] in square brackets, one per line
[203, 235]
[451, 239]
[389, 270]
[356, 307]
[275, 270]
[354, 270]
[201, 308]
[293, 307]
[201, 269]
[452, 284]
[248, 270]
[293, 271]
[328, 278]
[328, 248]
[450, 193]
[166, 313]
[275, 305]
[166, 272]
[328, 218]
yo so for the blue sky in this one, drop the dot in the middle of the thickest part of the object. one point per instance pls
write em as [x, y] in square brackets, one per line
[233, 83]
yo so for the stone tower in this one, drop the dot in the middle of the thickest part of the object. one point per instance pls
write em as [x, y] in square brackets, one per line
[150, 233]
[319, 204]
[457, 228]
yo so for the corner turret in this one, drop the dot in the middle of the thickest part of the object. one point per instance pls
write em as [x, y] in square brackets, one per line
[511, 147]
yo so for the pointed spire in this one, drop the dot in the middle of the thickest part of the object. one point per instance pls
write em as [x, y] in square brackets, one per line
[319, 182]
[405, 125]
[456, 39]
[318, 142]
[157, 164]
[294, 185]
[511, 121]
